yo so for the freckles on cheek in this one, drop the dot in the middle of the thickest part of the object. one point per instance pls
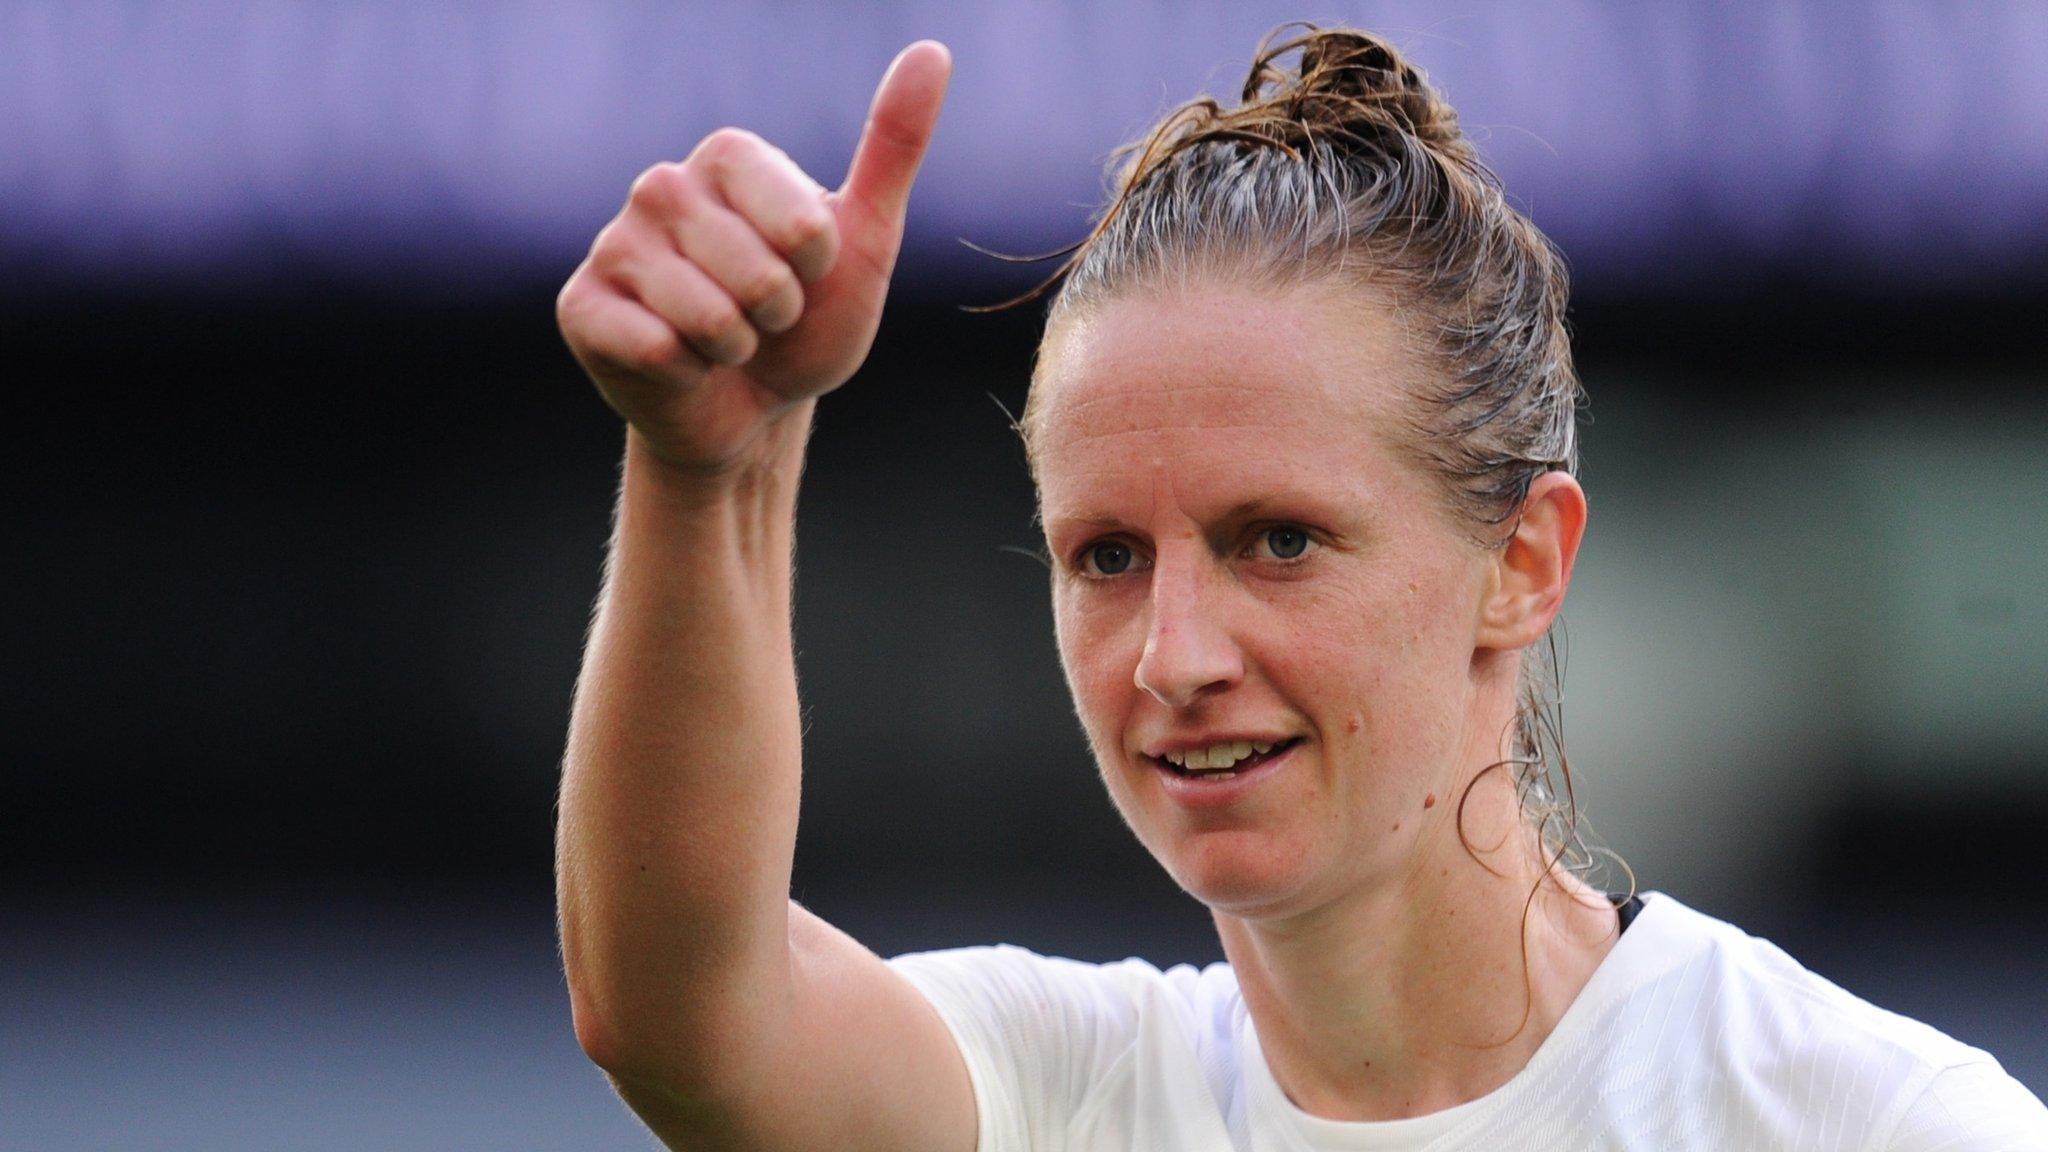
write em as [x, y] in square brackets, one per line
[1378, 686]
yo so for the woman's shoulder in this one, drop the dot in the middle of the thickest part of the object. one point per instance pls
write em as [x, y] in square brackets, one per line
[1745, 1024]
[1762, 992]
[1058, 1046]
[1008, 979]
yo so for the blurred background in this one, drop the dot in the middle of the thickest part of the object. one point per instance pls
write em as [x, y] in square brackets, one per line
[306, 504]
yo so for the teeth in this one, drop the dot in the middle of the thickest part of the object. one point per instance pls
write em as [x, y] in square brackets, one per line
[1217, 756]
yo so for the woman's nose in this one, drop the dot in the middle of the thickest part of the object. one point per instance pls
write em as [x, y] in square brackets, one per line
[1189, 652]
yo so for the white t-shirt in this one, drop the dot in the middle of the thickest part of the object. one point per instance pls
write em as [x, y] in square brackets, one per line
[1690, 1035]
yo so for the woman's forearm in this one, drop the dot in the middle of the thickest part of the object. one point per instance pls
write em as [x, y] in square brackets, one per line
[680, 783]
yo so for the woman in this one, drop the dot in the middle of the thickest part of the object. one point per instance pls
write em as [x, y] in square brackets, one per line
[1302, 428]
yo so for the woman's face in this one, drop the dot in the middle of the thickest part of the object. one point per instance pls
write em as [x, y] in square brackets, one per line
[1242, 560]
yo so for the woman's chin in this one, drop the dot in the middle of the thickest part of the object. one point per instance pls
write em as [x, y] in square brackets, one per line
[1240, 873]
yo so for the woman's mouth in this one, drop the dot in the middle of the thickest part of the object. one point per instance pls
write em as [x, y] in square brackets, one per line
[1223, 761]
[1220, 774]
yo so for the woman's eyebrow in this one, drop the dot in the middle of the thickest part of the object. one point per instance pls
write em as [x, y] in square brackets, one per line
[1244, 510]
[1283, 505]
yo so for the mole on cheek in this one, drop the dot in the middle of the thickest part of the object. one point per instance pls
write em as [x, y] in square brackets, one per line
[1429, 800]
[1352, 725]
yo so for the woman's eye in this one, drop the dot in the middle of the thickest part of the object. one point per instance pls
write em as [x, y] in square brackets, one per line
[1108, 558]
[1286, 543]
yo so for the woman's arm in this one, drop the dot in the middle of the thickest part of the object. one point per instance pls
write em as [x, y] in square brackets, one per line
[728, 295]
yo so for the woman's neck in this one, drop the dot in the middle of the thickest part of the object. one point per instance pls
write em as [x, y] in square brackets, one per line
[1413, 996]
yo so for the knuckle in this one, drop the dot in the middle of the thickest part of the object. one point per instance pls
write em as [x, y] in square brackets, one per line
[658, 188]
[574, 304]
[733, 342]
[808, 228]
[767, 284]
[726, 147]
[649, 350]
[715, 320]
[567, 298]
[729, 154]
[609, 246]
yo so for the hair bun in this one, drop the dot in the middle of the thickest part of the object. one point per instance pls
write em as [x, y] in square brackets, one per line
[1348, 82]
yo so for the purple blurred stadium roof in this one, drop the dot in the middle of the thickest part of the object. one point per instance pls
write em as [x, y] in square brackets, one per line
[469, 145]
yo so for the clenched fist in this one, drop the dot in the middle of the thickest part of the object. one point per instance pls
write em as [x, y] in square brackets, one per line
[732, 287]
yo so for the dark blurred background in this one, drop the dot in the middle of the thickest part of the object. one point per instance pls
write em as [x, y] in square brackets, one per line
[306, 504]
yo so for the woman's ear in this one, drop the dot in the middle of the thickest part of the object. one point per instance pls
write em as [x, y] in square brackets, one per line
[1533, 569]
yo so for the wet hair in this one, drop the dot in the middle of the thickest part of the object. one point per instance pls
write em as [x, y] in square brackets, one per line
[1342, 166]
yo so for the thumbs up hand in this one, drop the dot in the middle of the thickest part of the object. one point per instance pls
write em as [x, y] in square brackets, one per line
[732, 287]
